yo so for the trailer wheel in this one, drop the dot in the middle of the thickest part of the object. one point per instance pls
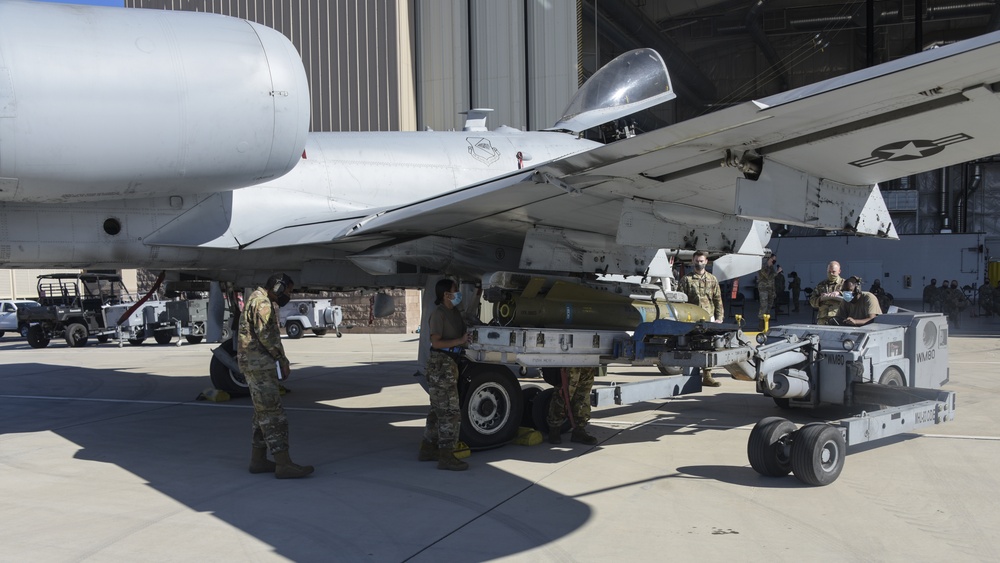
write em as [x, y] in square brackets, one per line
[232, 382]
[491, 408]
[892, 376]
[163, 337]
[670, 370]
[136, 341]
[540, 412]
[319, 331]
[818, 452]
[193, 339]
[528, 395]
[768, 446]
[294, 329]
[36, 337]
[76, 335]
[23, 330]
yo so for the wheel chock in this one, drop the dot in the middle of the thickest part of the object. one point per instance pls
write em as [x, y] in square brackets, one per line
[528, 437]
[214, 395]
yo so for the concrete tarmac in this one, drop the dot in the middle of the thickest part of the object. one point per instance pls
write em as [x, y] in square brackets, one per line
[105, 455]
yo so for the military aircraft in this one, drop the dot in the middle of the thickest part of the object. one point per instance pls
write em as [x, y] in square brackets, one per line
[179, 141]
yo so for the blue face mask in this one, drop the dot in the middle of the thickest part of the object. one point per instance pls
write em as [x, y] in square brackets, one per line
[456, 298]
[848, 296]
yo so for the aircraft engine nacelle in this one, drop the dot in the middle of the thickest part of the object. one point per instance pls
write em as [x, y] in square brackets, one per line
[110, 103]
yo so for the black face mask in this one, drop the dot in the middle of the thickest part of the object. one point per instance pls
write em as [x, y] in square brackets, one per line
[282, 300]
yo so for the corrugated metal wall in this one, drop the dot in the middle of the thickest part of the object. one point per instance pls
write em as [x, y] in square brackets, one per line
[442, 63]
[356, 52]
[553, 46]
[517, 57]
[23, 284]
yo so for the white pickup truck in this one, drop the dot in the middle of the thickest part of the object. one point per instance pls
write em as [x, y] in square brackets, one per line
[8, 316]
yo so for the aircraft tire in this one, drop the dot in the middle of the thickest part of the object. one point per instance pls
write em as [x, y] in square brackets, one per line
[223, 378]
[767, 447]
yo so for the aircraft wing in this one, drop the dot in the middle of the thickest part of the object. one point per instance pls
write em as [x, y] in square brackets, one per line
[810, 157]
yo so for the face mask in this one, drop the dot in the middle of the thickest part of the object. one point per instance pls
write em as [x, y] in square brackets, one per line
[456, 298]
[832, 277]
[283, 300]
[848, 296]
[954, 287]
[699, 267]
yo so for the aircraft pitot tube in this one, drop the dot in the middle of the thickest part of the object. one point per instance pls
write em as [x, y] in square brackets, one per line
[569, 305]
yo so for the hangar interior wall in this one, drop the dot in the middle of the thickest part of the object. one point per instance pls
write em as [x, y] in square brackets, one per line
[517, 58]
[904, 266]
[357, 55]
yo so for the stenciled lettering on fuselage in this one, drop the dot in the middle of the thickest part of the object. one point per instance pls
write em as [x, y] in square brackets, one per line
[483, 150]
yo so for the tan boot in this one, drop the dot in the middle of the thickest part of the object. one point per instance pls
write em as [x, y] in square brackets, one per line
[580, 436]
[286, 469]
[428, 451]
[555, 435]
[707, 380]
[259, 462]
[448, 461]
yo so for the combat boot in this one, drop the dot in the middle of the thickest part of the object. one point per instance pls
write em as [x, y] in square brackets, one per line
[428, 451]
[259, 462]
[580, 436]
[286, 469]
[707, 380]
[447, 460]
[555, 435]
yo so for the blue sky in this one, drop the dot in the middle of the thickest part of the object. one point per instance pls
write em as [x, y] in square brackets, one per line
[91, 2]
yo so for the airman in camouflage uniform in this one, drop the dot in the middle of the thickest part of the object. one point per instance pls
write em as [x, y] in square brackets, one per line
[826, 297]
[702, 289]
[953, 302]
[577, 383]
[765, 287]
[260, 356]
[446, 327]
